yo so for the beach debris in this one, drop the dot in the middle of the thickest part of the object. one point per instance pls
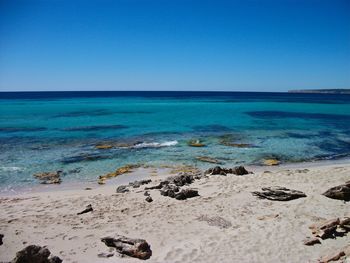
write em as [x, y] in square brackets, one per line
[121, 170]
[137, 184]
[208, 159]
[122, 189]
[49, 177]
[271, 162]
[195, 143]
[215, 221]
[217, 170]
[35, 253]
[340, 192]
[137, 248]
[149, 199]
[1, 237]
[311, 241]
[341, 254]
[86, 210]
[105, 255]
[277, 193]
[103, 146]
[331, 228]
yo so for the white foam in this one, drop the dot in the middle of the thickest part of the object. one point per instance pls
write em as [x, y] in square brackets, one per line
[155, 144]
[11, 168]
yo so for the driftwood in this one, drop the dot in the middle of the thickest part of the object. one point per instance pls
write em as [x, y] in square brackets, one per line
[340, 192]
[277, 193]
[311, 241]
[33, 254]
[331, 228]
[137, 248]
[86, 210]
[341, 254]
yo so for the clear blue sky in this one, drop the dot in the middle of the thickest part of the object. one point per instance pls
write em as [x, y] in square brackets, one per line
[174, 45]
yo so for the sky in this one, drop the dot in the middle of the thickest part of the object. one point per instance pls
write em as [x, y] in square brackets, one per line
[174, 45]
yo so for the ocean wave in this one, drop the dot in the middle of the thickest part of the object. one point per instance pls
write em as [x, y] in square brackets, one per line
[11, 169]
[154, 144]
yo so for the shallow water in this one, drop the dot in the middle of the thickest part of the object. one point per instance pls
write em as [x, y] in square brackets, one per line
[59, 131]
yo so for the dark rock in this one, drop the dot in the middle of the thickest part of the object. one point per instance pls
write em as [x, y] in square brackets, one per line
[1, 237]
[122, 189]
[86, 210]
[311, 241]
[341, 192]
[35, 254]
[217, 170]
[105, 255]
[158, 186]
[186, 193]
[137, 248]
[146, 193]
[49, 177]
[278, 194]
[137, 184]
[181, 180]
[149, 199]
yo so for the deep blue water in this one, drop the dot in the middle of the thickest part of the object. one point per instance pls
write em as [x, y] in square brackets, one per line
[45, 131]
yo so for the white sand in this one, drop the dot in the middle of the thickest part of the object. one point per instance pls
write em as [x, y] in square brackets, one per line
[261, 231]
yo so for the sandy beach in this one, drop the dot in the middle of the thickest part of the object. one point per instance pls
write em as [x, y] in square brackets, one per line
[225, 223]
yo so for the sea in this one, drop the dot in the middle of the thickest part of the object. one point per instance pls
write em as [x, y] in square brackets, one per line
[88, 134]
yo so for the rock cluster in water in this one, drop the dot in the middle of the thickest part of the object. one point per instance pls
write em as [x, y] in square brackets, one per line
[121, 170]
[49, 177]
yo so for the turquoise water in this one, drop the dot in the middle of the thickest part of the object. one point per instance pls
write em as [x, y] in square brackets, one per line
[54, 131]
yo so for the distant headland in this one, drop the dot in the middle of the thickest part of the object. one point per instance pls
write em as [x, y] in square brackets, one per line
[332, 91]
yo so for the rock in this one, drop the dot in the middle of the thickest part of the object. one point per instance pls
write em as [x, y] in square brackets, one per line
[169, 190]
[186, 193]
[35, 254]
[215, 221]
[271, 162]
[238, 170]
[195, 143]
[87, 188]
[121, 170]
[75, 170]
[137, 248]
[137, 184]
[122, 189]
[86, 210]
[149, 199]
[207, 159]
[311, 241]
[105, 255]
[341, 192]
[278, 193]
[49, 177]
[1, 237]
[146, 193]
[104, 146]
[181, 180]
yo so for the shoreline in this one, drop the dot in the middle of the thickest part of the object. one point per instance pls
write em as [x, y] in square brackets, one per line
[147, 173]
[225, 223]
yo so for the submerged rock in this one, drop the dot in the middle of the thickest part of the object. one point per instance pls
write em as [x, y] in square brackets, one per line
[49, 177]
[340, 192]
[137, 248]
[86, 210]
[103, 146]
[208, 159]
[271, 162]
[238, 170]
[195, 143]
[121, 170]
[35, 254]
[278, 193]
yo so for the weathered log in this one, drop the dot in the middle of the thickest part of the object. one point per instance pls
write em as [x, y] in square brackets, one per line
[278, 193]
[137, 248]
